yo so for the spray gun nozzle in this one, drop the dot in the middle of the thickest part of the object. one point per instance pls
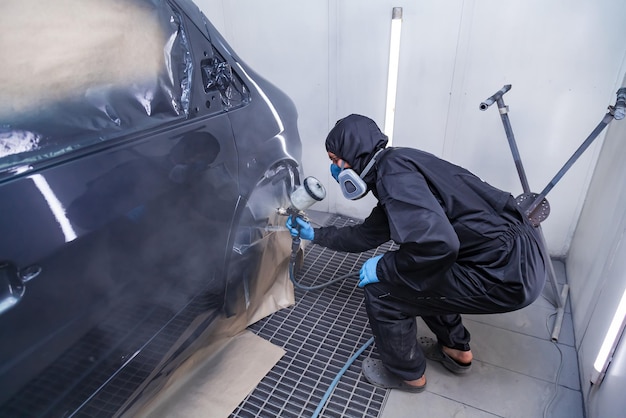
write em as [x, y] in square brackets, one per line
[290, 211]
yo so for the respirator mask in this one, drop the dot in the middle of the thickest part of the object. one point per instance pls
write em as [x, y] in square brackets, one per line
[352, 185]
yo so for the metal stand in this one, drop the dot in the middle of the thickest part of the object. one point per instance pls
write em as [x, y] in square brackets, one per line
[535, 206]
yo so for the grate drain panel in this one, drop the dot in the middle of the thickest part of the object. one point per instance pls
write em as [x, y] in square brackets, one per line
[319, 334]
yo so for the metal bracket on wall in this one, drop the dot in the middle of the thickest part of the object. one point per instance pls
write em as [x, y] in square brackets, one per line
[535, 205]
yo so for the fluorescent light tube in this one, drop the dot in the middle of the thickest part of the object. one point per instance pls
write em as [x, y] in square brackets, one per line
[605, 355]
[392, 73]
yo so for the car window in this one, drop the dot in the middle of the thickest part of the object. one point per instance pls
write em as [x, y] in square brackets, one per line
[105, 70]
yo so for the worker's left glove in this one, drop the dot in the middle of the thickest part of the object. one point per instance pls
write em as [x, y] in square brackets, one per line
[367, 275]
[300, 228]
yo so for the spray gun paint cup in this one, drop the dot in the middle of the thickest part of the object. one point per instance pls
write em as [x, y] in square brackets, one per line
[304, 196]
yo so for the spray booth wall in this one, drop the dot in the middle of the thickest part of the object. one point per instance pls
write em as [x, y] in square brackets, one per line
[596, 270]
[564, 59]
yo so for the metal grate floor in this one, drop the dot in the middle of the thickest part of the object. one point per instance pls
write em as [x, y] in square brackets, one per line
[319, 334]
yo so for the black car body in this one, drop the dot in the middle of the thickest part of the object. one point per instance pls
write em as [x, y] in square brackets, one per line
[136, 212]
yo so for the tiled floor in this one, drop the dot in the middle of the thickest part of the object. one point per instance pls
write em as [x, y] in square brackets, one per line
[518, 371]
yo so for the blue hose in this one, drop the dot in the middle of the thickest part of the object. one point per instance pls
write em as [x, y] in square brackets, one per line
[336, 380]
[319, 286]
[320, 406]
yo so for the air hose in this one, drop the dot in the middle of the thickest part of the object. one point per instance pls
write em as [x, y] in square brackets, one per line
[330, 389]
[295, 246]
[301, 199]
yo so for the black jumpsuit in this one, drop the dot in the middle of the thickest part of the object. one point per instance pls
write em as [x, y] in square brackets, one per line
[464, 247]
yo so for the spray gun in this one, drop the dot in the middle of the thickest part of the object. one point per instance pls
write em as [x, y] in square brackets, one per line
[302, 198]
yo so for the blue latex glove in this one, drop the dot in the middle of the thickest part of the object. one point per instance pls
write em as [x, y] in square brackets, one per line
[302, 228]
[367, 274]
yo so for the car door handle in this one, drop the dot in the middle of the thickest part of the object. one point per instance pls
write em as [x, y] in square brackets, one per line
[13, 283]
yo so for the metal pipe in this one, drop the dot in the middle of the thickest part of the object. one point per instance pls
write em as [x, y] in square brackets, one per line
[560, 311]
[494, 97]
[560, 301]
[620, 104]
[504, 110]
[582, 148]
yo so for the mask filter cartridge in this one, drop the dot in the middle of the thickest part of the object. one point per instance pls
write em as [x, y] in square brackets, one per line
[352, 185]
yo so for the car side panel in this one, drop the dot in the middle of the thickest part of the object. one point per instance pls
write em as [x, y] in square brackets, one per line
[145, 218]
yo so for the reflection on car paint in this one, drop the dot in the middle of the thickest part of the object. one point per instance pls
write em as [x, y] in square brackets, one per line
[56, 207]
[139, 218]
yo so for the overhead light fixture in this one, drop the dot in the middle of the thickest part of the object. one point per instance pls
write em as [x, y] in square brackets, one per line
[611, 339]
[392, 73]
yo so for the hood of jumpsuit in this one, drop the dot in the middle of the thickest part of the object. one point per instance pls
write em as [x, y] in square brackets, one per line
[356, 139]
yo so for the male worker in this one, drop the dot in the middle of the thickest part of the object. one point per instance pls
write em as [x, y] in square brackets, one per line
[464, 247]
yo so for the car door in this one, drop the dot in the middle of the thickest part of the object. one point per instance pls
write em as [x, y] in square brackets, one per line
[104, 242]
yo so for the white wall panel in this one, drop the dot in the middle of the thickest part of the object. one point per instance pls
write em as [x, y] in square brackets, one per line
[562, 57]
[429, 51]
[557, 98]
[596, 271]
[598, 234]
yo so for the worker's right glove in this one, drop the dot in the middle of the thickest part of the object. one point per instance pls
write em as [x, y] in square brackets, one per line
[301, 228]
